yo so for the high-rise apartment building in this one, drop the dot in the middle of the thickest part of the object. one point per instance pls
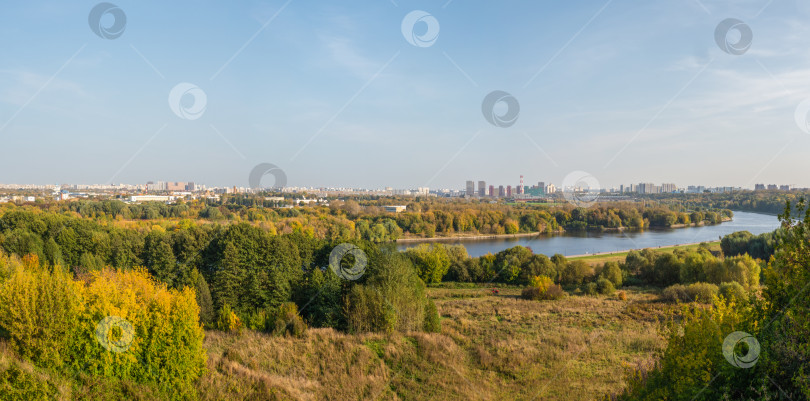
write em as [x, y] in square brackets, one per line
[482, 188]
[470, 188]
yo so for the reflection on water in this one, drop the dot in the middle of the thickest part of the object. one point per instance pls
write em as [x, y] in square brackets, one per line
[586, 243]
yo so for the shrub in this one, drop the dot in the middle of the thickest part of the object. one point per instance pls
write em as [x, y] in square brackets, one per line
[540, 288]
[666, 270]
[675, 293]
[734, 291]
[702, 292]
[228, 321]
[369, 311]
[612, 272]
[605, 286]
[20, 381]
[285, 320]
[431, 261]
[256, 320]
[554, 292]
[575, 273]
[590, 289]
[401, 293]
[621, 296]
[697, 292]
[531, 293]
[432, 320]
[541, 282]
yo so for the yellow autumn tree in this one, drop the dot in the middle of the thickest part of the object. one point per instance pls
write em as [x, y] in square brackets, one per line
[111, 323]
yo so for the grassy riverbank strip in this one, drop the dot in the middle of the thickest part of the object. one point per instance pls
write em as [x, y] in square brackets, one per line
[602, 257]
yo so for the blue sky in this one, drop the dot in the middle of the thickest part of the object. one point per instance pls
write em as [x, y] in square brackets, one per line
[335, 95]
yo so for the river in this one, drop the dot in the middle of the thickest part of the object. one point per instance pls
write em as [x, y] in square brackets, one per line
[589, 242]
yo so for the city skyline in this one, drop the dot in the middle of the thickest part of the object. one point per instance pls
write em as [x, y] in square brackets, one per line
[471, 187]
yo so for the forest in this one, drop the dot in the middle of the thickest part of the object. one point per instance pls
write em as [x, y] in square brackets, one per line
[365, 219]
[63, 272]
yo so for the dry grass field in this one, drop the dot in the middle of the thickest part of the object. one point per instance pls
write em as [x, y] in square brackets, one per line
[491, 347]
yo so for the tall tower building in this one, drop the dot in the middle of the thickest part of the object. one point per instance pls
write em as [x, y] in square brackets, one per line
[470, 188]
[482, 188]
[520, 188]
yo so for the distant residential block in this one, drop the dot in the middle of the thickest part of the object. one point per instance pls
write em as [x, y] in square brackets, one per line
[151, 198]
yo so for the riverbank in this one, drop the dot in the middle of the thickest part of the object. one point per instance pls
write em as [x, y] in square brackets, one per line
[537, 233]
[602, 257]
[468, 237]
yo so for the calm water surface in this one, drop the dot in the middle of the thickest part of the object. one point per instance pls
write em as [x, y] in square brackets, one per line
[586, 243]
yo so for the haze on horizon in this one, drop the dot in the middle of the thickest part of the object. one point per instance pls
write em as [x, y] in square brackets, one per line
[337, 96]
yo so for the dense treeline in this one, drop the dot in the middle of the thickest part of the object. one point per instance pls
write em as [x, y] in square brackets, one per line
[769, 202]
[255, 271]
[424, 217]
[758, 246]
[240, 267]
[251, 275]
[519, 265]
[759, 350]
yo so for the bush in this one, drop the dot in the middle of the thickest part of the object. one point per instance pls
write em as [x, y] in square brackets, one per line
[590, 289]
[285, 320]
[574, 273]
[541, 287]
[734, 292]
[612, 272]
[554, 292]
[702, 292]
[621, 296]
[256, 320]
[432, 320]
[228, 321]
[20, 381]
[675, 293]
[697, 292]
[605, 287]
[541, 282]
[431, 261]
[394, 278]
[116, 324]
[369, 311]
